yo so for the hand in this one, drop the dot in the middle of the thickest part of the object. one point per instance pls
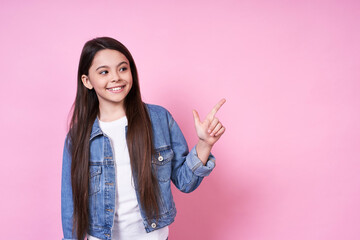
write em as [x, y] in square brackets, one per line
[211, 129]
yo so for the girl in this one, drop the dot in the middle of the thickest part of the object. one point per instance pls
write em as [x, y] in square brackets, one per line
[120, 153]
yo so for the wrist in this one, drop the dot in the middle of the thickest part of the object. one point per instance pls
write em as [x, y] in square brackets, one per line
[204, 145]
[203, 151]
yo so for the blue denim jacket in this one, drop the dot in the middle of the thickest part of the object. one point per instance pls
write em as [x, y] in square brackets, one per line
[171, 160]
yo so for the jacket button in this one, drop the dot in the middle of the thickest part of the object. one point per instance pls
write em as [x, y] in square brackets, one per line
[160, 158]
[153, 225]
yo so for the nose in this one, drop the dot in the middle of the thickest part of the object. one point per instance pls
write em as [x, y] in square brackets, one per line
[116, 76]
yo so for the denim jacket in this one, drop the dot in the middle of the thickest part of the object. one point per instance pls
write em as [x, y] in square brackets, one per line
[171, 161]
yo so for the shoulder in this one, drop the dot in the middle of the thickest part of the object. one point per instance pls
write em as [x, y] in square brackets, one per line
[156, 109]
[159, 114]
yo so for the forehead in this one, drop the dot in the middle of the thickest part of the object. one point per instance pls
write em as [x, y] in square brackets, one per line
[108, 57]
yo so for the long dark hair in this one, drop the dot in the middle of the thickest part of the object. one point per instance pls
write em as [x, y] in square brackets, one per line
[139, 137]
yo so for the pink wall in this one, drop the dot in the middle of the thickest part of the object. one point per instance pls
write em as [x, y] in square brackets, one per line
[288, 166]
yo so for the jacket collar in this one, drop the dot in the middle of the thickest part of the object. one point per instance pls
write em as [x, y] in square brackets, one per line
[96, 130]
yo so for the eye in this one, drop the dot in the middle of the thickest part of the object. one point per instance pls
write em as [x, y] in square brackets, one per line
[123, 69]
[104, 72]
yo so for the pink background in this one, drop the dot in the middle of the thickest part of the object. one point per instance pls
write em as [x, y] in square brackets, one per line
[289, 164]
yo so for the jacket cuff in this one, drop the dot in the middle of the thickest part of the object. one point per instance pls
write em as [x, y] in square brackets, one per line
[197, 167]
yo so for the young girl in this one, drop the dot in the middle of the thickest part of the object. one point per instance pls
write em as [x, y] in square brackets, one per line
[120, 153]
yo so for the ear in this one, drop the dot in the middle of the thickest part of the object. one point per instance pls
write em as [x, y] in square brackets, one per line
[86, 81]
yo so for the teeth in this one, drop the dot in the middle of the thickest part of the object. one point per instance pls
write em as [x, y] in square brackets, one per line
[115, 89]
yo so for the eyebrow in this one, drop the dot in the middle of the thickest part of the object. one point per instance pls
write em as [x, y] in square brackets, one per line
[105, 66]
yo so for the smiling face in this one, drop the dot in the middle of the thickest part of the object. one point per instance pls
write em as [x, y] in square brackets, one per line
[110, 76]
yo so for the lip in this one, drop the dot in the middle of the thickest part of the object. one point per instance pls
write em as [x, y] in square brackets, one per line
[116, 91]
[116, 86]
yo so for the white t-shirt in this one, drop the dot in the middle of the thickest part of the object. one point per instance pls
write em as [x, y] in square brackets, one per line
[128, 223]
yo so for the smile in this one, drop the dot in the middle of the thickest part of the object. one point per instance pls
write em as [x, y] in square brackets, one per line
[116, 89]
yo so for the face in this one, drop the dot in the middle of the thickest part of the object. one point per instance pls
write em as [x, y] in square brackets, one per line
[110, 76]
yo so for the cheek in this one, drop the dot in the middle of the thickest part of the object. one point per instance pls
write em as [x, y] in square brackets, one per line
[130, 81]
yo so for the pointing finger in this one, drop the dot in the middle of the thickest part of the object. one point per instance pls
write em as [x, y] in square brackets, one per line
[211, 115]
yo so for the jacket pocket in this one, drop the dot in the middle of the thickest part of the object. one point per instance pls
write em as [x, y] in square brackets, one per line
[94, 179]
[161, 163]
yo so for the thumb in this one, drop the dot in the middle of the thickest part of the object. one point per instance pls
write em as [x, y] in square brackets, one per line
[196, 117]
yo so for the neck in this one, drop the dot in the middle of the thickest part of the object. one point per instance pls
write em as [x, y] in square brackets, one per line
[110, 113]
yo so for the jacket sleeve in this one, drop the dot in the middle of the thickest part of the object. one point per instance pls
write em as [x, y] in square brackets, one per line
[67, 206]
[187, 169]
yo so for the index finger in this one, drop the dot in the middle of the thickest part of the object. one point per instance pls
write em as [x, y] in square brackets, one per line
[211, 114]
